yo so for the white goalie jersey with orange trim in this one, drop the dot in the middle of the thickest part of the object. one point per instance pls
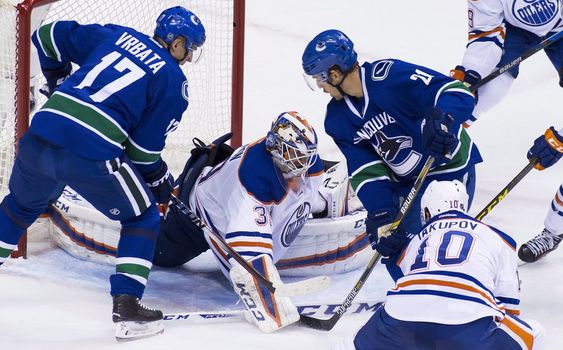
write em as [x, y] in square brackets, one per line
[455, 271]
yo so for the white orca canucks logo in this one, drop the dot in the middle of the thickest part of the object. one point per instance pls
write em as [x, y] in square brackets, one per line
[295, 223]
[535, 13]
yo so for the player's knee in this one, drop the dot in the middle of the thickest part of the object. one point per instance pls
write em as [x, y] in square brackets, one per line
[148, 221]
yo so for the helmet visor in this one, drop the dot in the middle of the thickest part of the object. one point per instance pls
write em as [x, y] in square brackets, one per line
[314, 81]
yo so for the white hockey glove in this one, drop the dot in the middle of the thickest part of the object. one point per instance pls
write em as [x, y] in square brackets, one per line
[267, 311]
[334, 191]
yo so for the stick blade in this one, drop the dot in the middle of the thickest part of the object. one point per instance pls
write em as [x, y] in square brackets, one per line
[318, 324]
[308, 286]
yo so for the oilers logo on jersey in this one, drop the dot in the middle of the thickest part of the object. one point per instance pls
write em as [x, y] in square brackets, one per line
[295, 223]
[535, 12]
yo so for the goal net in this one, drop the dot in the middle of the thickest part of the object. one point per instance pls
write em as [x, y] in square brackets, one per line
[215, 80]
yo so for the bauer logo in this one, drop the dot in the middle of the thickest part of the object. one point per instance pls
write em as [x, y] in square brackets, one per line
[535, 13]
[295, 224]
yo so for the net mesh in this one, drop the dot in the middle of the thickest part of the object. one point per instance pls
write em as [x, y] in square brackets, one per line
[209, 113]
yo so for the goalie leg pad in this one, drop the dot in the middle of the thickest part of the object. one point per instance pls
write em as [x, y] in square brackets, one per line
[267, 311]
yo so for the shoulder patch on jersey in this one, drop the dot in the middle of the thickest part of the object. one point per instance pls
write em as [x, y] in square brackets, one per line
[185, 94]
[380, 70]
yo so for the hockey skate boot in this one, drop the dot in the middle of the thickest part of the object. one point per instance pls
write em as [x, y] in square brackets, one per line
[539, 246]
[133, 319]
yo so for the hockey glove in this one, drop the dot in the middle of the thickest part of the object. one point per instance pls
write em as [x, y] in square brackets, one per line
[548, 148]
[437, 137]
[378, 226]
[161, 184]
[54, 79]
[266, 310]
[468, 77]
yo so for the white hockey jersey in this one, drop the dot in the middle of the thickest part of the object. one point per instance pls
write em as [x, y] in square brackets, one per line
[456, 270]
[487, 29]
[248, 202]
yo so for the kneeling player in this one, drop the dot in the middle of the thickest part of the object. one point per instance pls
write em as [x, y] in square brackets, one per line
[457, 286]
[259, 198]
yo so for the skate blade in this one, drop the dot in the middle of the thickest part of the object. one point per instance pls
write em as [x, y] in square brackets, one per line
[131, 330]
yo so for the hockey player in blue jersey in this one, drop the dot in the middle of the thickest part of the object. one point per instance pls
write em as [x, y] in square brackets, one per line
[456, 286]
[101, 132]
[387, 117]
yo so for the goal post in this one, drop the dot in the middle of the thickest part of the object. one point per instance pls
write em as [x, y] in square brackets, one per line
[216, 81]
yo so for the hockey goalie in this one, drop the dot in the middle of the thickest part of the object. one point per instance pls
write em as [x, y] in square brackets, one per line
[274, 201]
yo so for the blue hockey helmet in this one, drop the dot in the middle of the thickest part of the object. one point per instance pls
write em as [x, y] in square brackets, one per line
[329, 49]
[177, 21]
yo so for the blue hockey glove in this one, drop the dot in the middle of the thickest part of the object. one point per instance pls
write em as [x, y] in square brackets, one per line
[161, 183]
[437, 137]
[378, 225]
[54, 79]
[548, 148]
[468, 77]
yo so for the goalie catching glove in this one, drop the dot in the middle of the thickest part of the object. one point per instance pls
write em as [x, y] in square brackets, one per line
[264, 309]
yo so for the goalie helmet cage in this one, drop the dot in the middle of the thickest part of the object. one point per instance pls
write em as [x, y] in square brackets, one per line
[216, 81]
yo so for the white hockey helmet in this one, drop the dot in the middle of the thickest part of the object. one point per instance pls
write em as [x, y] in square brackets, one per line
[292, 141]
[443, 196]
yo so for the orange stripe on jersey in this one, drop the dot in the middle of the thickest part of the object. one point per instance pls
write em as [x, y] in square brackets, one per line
[487, 33]
[447, 284]
[521, 332]
[513, 312]
[218, 249]
[316, 174]
[558, 200]
[251, 244]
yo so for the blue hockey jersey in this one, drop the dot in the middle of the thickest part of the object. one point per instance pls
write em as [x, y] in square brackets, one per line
[380, 134]
[128, 94]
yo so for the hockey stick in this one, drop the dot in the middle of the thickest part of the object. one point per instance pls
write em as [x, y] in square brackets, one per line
[328, 324]
[500, 196]
[498, 71]
[307, 286]
[320, 309]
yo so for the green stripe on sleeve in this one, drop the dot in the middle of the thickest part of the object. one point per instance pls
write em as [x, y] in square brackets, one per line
[44, 34]
[138, 155]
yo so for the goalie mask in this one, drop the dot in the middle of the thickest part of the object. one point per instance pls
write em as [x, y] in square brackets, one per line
[292, 142]
[443, 196]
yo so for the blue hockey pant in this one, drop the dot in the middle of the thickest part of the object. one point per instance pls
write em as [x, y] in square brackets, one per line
[114, 187]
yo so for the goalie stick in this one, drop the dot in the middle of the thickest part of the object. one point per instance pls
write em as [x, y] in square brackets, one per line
[307, 286]
[314, 309]
[328, 324]
[499, 70]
